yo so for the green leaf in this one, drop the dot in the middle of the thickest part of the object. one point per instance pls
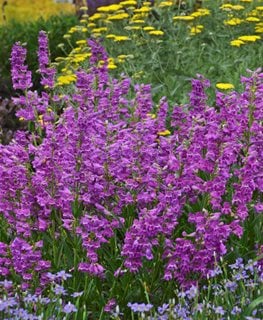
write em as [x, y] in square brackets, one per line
[253, 305]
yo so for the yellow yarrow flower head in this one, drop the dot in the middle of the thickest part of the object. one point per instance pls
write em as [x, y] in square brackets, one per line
[96, 16]
[67, 79]
[197, 29]
[230, 7]
[119, 16]
[151, 115]
[91, 25]
[224, 86]
[148, 28]
[233, 22]
[204, 11]
[251, 38]
[156, 33]
[128, 3]
[99, 30]
[164, 133]
[111, 8]
[112, 66]
[236, 43]
[142, 10]
[111, 36]
[183, 18]
[81, 42]
[165, 4]
[252, 19]
[137, 21]
[121, 38]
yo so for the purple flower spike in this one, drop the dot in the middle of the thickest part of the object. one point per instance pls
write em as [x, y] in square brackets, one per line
[21, 77]
[48, 74]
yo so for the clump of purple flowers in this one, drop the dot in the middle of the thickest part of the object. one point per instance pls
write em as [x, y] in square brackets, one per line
[108, 152]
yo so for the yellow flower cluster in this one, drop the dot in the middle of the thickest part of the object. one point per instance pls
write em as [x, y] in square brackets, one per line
[224, 86]
[126, 22]
[194, 27]
[26, 10]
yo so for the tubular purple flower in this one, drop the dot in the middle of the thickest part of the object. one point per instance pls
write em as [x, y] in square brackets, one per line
[21, 77]
[47, 73]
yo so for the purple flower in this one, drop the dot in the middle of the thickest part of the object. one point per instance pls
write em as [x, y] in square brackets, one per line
[69, 308]
[111, 304]
[77, 294]
[230, 285]
[62, 275]
[21, 77]
[48, 74]
[59, 290]
[140, 307]
[163, 308]
[236, 310]
[219, 310]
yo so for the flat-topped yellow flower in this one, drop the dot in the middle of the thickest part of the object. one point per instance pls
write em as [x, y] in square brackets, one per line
[91, 25]
[142, 10]
[196, 29]
[252, 19]
[112, 66]
[80, 57]
[251, 38]
[259, 27]
[164, 133]
[156, 33]
[121, 38]
[111, 8]
[233, 22]
[236, 43]
[81, 42]
[138, 21]
[119, 16]
[225, 86]
[183, 18]
[165, 4]
[99, 30]
[111, 36]
[139, 16]
[96, 16]
[201, 12]
[229, 6]
[128, 3]
[148, 28]
[66, 79]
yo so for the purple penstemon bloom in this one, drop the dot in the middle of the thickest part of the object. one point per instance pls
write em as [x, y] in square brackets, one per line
[47, 73]
[21, 76]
